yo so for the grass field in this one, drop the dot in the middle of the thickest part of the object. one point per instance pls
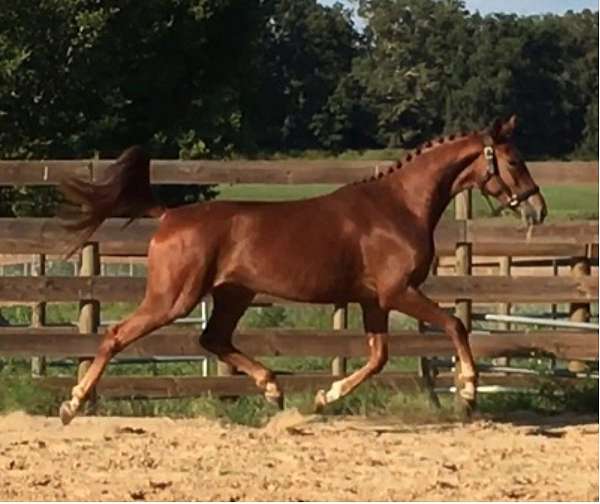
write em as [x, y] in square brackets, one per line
[572, 202]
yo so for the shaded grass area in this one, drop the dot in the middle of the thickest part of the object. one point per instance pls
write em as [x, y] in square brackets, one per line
[22, 393]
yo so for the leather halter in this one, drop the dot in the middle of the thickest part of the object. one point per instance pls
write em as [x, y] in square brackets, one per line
[515, 199]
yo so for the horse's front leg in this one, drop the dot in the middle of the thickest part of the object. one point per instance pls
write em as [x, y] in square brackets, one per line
[376, 326]
[413, 302]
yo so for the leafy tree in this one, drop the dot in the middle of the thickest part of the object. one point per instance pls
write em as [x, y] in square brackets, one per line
[581, 69]
[413, 48]
[431, 66]
[307, 49]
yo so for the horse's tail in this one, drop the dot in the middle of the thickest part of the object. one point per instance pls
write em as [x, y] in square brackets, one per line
[124, 191]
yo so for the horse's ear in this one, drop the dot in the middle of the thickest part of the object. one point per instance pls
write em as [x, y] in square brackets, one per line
[509, 127]
[502, 131]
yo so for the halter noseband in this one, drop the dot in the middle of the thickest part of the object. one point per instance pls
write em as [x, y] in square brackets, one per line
[493, 171]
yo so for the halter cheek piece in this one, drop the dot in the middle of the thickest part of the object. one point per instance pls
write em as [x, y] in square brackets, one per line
[493, 171]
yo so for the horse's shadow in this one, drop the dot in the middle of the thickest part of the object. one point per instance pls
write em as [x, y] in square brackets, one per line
[545, 424]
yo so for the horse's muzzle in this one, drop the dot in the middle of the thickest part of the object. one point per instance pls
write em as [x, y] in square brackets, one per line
[534, 209]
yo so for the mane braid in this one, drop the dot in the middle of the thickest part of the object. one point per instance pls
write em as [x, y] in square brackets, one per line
[411, 156]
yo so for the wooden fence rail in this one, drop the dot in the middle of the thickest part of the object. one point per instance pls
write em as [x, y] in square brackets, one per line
[292, 171]
[174, 341]
[482, 289]
[492, 237]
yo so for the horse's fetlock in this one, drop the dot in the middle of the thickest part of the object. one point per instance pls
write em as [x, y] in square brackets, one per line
[264, 379]
[78, 392]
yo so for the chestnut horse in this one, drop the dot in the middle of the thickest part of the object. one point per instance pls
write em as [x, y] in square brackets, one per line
[369, 242]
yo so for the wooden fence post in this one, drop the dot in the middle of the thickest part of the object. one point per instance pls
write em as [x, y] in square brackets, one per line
[505, 265]
[89, 310]
[340, 321]
[579, 312]
[426, 372]
[224, 369]
[554, 310]
[553, 306]
[427, 375]
[38, 314]
[463, 210]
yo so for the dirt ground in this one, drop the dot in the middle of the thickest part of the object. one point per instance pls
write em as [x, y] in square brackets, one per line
[297, 458]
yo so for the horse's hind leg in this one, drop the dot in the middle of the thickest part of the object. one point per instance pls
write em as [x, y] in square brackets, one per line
[230, 303]
[376, 326]
[173, 288]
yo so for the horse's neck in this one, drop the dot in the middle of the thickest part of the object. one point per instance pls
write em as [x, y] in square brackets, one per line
[427, 184]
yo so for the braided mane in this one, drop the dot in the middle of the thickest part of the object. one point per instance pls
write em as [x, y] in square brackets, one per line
[414, 154]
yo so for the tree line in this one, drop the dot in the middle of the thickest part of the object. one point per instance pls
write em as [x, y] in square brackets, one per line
[222, 78]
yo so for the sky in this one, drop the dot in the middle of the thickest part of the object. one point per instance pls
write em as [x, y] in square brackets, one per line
[530, 6]
[523, 7]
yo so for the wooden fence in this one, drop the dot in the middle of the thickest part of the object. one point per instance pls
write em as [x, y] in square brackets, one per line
[463, 238]
[295, 171]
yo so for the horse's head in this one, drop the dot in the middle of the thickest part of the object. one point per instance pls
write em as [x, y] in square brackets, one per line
[501, 172]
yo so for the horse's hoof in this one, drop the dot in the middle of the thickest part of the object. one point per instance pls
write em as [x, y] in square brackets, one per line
[273, 395]
[320, 401]
[66, 413]
[468, 390]
[276, 400]
[468, 394]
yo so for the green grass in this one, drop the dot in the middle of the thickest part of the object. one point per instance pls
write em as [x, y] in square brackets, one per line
[271, 192]
[573, 202]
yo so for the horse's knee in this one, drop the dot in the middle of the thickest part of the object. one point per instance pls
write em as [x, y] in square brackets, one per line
[110, 345]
